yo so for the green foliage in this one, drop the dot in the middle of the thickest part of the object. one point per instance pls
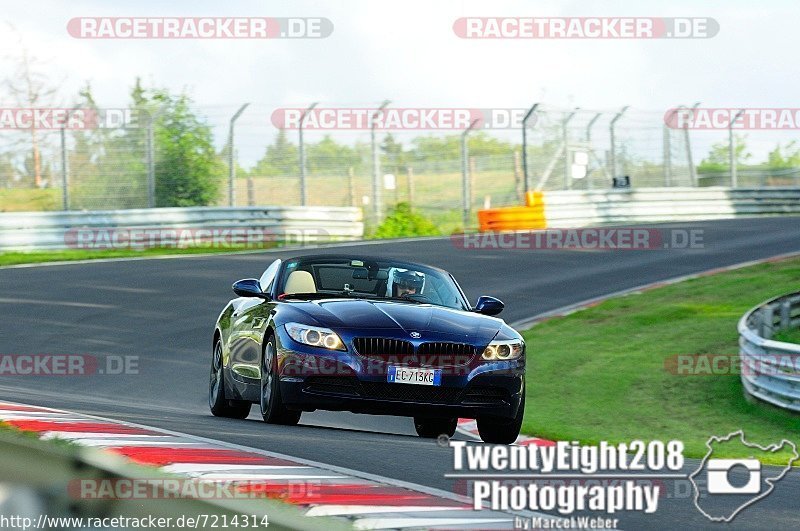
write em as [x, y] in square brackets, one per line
[783, 157]
[187, 169]
[718, 159]
[281, 158]
[582, 357]
[402, 222]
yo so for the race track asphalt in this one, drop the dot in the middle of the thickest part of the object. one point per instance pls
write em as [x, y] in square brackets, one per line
[163, 311]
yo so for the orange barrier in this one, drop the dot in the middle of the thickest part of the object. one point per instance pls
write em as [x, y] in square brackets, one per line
[530, 216]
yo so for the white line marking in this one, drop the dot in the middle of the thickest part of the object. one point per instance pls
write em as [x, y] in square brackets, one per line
[256, 477]
[395, 523]
[76, 435]
[347, 510]
[183, 468]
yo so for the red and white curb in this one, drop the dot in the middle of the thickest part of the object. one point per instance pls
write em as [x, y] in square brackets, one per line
[368, 502]
[469, 428]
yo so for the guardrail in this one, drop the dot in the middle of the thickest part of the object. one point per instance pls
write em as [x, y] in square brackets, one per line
[299, 225]
[581, 208]
[770, 369]
[42, 477]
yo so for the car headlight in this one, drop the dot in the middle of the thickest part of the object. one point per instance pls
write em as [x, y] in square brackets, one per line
[314, 336]
[503, 350]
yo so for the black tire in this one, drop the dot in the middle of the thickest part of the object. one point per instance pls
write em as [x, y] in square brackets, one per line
[272, 409]
[431, 428]
[219, 405]
[501, 431]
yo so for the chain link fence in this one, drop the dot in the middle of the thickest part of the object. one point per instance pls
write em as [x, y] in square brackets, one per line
[113, 167]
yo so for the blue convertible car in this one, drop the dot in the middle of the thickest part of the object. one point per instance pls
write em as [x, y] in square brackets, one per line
[368, 335]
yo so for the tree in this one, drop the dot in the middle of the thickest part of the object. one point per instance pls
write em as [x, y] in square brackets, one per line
[280, 158]
[329, 157]
[187, 169]
[718, 158]
[394, 158]
[783, 157]
[30, 88]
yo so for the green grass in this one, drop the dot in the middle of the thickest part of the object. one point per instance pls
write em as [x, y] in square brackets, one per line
[35, 257]
[599, 374]
[30, 199]
[788, 336]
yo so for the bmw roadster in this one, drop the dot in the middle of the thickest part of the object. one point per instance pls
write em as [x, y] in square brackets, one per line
[367, 335]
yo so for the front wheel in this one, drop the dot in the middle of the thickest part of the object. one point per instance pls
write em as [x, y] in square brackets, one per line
[272, 409]
[431, 428]
[220, 406]
[501, 431]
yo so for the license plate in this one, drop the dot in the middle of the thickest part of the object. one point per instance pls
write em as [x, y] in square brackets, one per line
[408, 375]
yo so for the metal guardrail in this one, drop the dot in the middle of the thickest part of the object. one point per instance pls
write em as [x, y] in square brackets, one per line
[298, 225]
[771, 369]
[581, 208]
[39, 477]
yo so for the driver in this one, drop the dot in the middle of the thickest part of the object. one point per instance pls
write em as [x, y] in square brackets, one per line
[403, 283]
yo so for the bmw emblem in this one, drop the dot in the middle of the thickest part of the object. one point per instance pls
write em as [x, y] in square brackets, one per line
[416, 335]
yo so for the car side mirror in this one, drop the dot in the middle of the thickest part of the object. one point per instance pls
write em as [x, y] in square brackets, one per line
[489, 305]
[249, 287]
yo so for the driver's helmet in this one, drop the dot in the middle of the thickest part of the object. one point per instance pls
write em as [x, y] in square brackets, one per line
[406, 278]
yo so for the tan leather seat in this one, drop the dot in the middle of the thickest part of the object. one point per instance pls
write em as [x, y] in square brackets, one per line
[300, 282]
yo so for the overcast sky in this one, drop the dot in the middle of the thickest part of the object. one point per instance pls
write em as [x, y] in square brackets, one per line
[406, 51]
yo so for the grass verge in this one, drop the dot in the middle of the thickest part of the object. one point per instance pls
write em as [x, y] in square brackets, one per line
[600, 373]
[35, 257]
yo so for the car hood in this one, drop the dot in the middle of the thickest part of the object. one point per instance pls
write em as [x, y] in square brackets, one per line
[433, 322]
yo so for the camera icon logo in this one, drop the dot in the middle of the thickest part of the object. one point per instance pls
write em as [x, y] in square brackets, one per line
[730, 477]
[721, 476]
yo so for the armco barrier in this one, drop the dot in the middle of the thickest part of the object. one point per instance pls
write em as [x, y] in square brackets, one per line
[48, 230]
[580, 208]
[771, 369]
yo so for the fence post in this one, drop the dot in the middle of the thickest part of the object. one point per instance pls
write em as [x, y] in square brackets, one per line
[611, 130]
[151, 167]
[64, 176]
[525, 146]
[302, 153]
[251, 192]
[732, 150]
[377, 185]
[667, 156]
[589, 146]
[232, 158]
[351, 186]
[410, 177]
[565, 139]
[517, 175]
[466, 193]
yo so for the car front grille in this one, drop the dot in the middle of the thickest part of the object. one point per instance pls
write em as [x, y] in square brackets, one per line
[401, 352]
[485, 396]
[351, 387]
[380, 347]
[410, 393]
[440, 353]
[335, 385]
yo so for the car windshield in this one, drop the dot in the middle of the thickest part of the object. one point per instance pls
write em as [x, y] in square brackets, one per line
[320, 277]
